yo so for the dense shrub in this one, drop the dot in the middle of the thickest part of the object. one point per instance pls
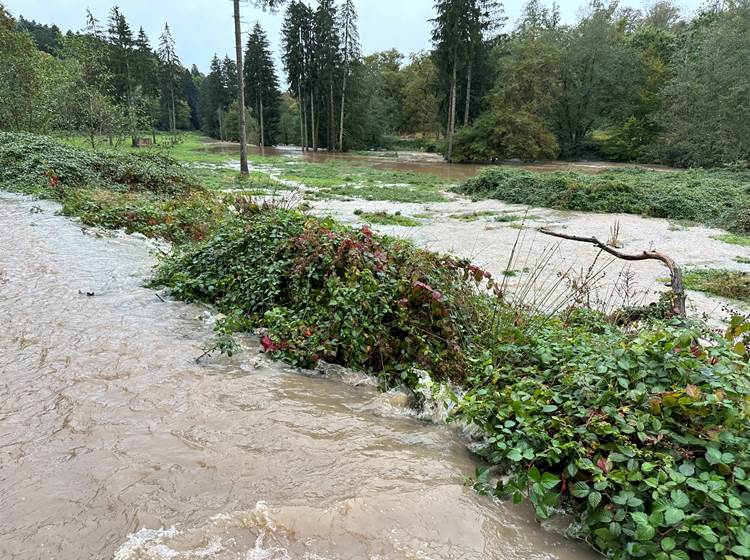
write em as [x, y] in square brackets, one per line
[719, 198]
[645, 438]
[31, 163]
[328, 292]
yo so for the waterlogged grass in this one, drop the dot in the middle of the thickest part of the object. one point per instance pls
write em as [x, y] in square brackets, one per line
[392, 193]
[473, 216]
[730, 284]
[386, 219]
[734, 239]
[718, 198]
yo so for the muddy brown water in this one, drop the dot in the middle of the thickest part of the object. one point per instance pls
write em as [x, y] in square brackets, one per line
[114, 443]
[417, 162]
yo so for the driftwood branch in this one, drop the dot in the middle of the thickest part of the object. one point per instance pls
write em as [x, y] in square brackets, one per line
[675, 273]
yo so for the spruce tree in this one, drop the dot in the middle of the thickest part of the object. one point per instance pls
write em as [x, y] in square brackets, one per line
[262, 85]
[350, 50]
[170, 66]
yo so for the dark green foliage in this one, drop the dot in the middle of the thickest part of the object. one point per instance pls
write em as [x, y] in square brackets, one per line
[716, 198]
[31, 163]
[262, 86]
[329, 292]
[644, 438]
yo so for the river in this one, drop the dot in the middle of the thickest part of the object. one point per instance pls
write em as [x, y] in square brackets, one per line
[114, 443]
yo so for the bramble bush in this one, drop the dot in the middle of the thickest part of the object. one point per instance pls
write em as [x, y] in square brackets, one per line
[718, 198]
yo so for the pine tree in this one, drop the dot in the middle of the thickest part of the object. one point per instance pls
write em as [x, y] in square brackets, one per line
[170, 64]
[121, 51]
[297, 47]
[262, 85]
[327, 62]
[350, 52]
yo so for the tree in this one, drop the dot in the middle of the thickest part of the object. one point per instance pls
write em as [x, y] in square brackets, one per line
[459, 30]
[327, 63]
[421, 105]
[240, 88]
[297, 48]
[20, 81]
[706, 117]
[262, 85]
[170, 65]
[121, 51]
[351, 53]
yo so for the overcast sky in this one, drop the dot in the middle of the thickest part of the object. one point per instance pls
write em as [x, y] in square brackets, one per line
[204, 27]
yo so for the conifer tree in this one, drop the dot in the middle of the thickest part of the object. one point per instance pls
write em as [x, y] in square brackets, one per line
[262, 85]
[350, 50]
[170, 65]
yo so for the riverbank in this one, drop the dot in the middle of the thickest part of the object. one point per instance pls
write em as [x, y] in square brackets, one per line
[116, 443]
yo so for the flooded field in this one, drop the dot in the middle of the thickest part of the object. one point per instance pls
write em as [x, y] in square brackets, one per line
[114, 443]
[419, 162]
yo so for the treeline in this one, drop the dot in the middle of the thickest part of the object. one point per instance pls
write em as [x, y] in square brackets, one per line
[620, 84]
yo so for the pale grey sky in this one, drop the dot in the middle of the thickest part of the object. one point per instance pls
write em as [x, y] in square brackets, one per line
[202, 27]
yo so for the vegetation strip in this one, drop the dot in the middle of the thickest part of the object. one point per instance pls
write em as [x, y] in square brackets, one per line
[642, 434]
[717, 198]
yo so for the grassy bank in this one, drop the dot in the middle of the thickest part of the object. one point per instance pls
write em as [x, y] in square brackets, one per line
[716, 198]
[730, 284]
[641, 433]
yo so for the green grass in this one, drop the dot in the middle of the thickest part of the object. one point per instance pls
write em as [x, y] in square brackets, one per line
[742, 260]
[718, 198]
[391, 193]
[733, 239]
[386, 219]
[730, 284]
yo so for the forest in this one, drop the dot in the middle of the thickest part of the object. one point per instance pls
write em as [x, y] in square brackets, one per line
[651, 85]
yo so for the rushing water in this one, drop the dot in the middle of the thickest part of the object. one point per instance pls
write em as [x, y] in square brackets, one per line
[115, 443]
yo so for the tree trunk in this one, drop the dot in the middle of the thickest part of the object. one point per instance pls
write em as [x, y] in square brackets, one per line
[240, 87]
[173, 120]
[262, 127]
[468, 97]
[219, 111]
[331, 120]
[313, 124]
[301, 118]
[343, 102]
[452, 109]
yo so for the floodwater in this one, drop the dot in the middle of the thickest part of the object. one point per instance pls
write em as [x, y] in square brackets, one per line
[418, 162]
[114, 443]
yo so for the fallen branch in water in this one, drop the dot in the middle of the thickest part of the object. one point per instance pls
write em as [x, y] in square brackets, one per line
[675, 273]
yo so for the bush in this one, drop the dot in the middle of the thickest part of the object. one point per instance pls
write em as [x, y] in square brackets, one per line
[40, 164]
[644, 438]
[718, 198]
[329, 292]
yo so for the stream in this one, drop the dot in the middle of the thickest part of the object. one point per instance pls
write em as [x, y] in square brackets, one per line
[114, 443]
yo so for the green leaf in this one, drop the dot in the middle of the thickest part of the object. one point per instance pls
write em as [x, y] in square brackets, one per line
[549, 481]
[706, 533]
[580, 490]
[595, 498]
[673, 516]
[668, 544]
[644, 533]
[740, 550]
[515, 455]
[639, 517]
[688, 469]
[713, 456]
[680, 499]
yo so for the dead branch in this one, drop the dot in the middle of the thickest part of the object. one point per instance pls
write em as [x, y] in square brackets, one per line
[675, 273]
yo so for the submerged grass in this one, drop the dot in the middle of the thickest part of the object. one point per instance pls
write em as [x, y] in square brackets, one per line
[734, 239]
[719, 198]
[731, 284]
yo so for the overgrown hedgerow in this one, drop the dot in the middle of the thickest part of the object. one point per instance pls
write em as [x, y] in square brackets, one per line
[644, 437]
[718, 198]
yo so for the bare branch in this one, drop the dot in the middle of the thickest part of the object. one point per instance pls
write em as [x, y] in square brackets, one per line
[675, 273]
